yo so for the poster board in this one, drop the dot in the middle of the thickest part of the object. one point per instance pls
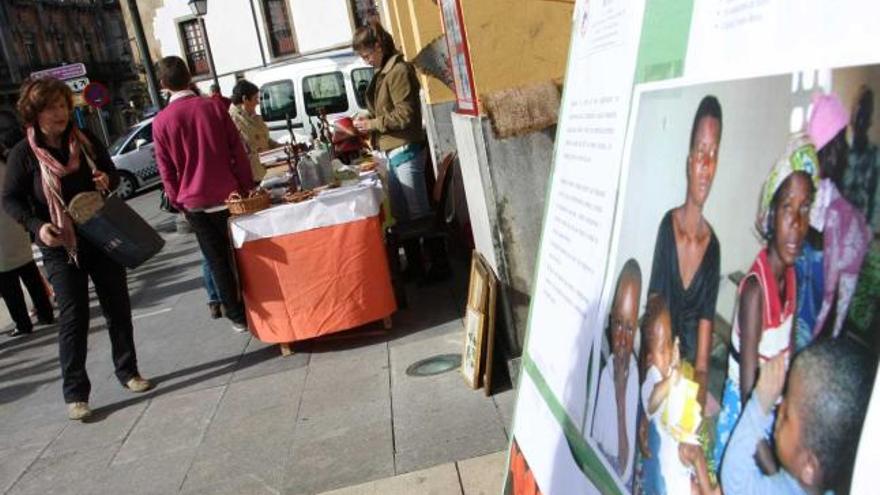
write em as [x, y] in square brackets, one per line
[636, 74]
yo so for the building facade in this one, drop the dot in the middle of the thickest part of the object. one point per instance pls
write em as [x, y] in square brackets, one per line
[244, 35]
[39, 34]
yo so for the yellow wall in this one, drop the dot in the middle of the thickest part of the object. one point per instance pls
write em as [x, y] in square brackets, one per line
[512, 42]
[414, 24]
[516, 42]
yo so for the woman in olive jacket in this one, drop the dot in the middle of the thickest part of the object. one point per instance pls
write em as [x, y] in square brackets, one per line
[395, 126]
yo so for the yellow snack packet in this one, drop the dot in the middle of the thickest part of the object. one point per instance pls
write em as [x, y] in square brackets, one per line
[682, 413]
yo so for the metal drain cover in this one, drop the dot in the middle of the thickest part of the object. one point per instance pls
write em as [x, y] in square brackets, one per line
[434, 365]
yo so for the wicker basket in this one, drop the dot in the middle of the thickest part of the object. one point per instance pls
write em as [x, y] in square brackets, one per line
[298, 196]
[84, 205]
[257, 200]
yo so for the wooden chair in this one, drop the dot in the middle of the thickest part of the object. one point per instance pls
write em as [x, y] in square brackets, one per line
[434, 228]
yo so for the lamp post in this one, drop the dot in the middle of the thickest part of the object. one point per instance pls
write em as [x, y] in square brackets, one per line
[199, 9]
[144, 50]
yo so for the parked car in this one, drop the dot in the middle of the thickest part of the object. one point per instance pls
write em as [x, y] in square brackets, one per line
[133, 155]
[334, 83]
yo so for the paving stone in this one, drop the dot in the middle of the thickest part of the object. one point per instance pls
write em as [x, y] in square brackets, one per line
[438, 480]
[99, 432]
[251, 435]
[462, 423]
[265, 359]
[505, 402]
[169, 425]
[249, 484]
[453, 324]
[13, 462]
[155, 475]
[328, 394]
[483, 475]
[340, 459]
[71, 473]
[16, 432]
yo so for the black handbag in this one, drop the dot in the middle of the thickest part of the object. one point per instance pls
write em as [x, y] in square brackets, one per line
[165, 203]
[114, 227]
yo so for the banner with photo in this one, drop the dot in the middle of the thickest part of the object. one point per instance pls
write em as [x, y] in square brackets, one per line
[709, 253]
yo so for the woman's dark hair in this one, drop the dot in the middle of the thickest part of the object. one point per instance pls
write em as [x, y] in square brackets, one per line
[770, 235]
[373, 33]
[37, 94]
[834, 158]
[243, 89]
[709, 107]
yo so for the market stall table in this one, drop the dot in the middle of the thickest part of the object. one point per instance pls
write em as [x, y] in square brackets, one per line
[314, 268]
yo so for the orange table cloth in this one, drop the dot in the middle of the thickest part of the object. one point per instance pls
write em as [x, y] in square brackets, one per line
[316, 282]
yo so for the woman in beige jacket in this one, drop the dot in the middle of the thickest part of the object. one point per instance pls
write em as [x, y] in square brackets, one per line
[254, 133]
[17, 261]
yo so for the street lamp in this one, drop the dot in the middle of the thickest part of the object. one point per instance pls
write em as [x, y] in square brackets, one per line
[199, 9]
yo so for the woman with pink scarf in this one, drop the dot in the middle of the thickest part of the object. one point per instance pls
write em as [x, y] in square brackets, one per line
[56, 162]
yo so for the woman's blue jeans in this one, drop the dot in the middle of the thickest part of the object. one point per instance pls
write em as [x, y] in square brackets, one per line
[210, 286]
[406, 183]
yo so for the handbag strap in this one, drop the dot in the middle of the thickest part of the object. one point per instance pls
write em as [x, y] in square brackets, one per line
[94, 168]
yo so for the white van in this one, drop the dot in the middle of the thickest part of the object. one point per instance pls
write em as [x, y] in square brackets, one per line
[335, 82]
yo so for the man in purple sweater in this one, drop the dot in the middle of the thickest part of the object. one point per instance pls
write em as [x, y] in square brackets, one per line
[201, 160]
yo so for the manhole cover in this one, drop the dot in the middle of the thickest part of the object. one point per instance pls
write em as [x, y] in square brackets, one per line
[434, 365]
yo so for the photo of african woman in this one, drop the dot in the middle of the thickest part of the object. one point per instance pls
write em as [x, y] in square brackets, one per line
[761, 302]
[687, 256]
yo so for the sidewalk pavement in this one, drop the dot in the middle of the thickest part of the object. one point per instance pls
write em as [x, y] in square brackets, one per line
[478, 476]
[231, 416]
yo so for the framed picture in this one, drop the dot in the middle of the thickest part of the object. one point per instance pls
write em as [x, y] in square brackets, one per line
[471, 359]
[479, 325]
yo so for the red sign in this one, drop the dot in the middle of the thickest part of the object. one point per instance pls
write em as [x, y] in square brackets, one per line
[459, 56]
[96, 95]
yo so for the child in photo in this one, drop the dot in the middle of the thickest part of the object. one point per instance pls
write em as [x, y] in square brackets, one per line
[762, 325]
[614, 422]
[665, 469]
[818, 422]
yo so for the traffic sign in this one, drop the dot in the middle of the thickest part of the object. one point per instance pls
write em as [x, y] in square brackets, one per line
[78, 84]
[69, 71]
[96, 95]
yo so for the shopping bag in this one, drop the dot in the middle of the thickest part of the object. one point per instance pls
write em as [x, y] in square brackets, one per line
[115, 228]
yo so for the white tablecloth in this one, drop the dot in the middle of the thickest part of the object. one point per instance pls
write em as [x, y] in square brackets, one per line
[330, 207]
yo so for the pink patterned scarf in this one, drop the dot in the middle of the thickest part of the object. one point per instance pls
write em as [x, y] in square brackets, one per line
[52, 172]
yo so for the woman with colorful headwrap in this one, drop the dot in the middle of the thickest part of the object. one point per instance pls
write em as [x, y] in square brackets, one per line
[762, 324]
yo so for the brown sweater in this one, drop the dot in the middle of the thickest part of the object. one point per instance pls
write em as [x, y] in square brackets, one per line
[393, 101]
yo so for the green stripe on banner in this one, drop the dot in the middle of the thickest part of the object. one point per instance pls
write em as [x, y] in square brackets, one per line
[584, 455]
[665, 32]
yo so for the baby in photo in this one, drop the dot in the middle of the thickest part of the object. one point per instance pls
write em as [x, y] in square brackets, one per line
[667, 466]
